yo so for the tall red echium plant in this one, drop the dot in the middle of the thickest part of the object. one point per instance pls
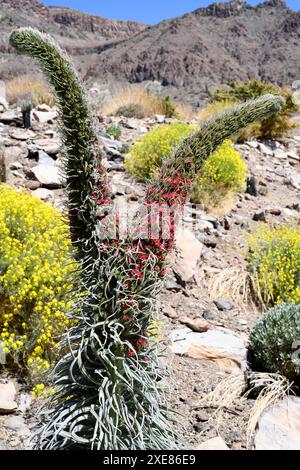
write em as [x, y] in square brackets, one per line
[107, 382]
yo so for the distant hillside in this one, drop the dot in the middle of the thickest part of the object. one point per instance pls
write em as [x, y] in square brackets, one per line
[79, 33]
[190, 55]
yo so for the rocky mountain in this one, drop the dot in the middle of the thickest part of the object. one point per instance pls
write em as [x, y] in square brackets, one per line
[189, 55]
[79, 33]
[192, 54]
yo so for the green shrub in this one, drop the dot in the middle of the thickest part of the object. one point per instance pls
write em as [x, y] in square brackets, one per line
[275, 341]
[169, 108]
[275, 261]
[271, 128]
[114, 131]
[132, 110]
[147, 154]
[34, 280]
[224, 172]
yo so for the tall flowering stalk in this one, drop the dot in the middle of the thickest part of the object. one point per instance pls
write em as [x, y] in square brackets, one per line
[107, 394]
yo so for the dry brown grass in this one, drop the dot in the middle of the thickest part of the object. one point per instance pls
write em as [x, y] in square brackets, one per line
[25, 88]
[185, 112]
[133, 95]
[270, 389]
[232, 283]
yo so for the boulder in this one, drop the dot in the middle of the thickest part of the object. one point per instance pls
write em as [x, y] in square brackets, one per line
[220, 346]
[279, 426]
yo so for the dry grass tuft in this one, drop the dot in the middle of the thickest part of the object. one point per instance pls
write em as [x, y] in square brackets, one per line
[133, 95]
[25, 88]
[233, 283]
[272, 388]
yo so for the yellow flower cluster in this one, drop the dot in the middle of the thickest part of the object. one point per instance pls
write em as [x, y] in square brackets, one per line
[275, 260]
[35, 279]
[224, 172]
[147, 154]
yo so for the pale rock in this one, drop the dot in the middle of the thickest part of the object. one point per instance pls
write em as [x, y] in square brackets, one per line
[205, 226]
[7, 398]
[160, 118]
[265, 149]
[199, 325]
[189, 250]
[293, 156]
[43, 193]
[16, 166]
[217, 443]
[294, 180]
[44, 117]
[25, 402]
[11, 116]
[48, 175]
[252, 143]
[44, 108]
[15, 423]
[280, 154]
[279, 426]
[20, 134]
[220, 346]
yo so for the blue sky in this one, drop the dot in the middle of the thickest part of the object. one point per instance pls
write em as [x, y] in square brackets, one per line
[147, 11]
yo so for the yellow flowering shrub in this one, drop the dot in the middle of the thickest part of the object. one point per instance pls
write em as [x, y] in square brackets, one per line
[224, 172]
[35, 280]
[146, 155]
[275, 260]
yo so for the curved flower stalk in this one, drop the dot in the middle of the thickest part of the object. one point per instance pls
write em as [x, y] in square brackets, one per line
[107, 394]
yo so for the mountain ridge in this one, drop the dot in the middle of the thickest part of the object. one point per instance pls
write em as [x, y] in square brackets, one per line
[189, 55]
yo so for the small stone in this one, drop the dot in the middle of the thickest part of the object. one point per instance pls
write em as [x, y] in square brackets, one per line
[293, 156]
[274, 211]
[223, 304]
[16, 166]
[199, 325]
[43, 193]
[159, 118]
[260, 217]
[204, 226]
[171, 284]
[217, 443]
[280, 154]
[202, 416]
[170, 312]
[14, 422]
[280, 172]
[44, 108]
[208, 315]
